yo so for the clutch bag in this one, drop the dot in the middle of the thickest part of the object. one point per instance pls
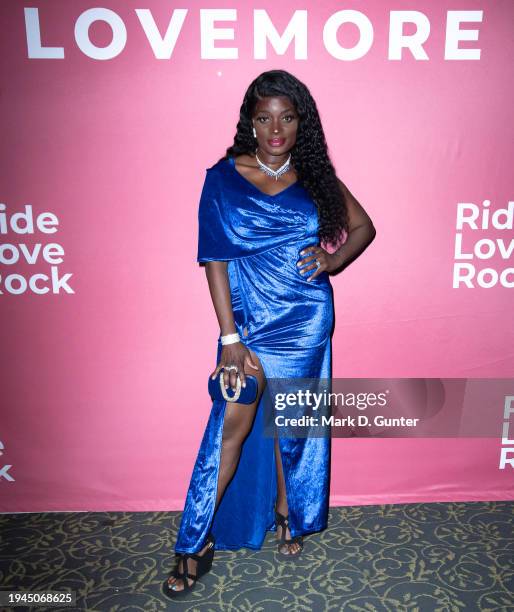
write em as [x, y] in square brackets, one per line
[243, 395]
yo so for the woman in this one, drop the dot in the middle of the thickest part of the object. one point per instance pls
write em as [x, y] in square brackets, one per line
[264, 210]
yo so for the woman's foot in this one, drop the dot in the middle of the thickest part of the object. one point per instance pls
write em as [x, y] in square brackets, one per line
[287, 546]
[175, 581]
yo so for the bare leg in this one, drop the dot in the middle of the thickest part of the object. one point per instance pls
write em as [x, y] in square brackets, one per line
[281, 505]
[236, 426]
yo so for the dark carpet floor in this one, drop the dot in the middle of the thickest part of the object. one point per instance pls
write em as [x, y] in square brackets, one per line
[437, 557]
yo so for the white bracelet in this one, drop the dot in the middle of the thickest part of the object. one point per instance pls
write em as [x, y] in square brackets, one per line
[230, 338]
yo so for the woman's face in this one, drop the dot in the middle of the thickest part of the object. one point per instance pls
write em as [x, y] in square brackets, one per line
[275, 121]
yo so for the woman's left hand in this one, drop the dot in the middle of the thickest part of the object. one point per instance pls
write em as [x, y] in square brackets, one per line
[327, 262]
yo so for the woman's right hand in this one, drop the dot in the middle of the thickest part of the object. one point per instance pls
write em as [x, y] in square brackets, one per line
[234, 354]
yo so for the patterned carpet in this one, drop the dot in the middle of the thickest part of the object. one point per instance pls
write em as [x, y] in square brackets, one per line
[396, 558]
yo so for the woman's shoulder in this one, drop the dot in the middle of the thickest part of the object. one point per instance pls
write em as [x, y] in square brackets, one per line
[221, 164]
[217, 173]
[218, 165]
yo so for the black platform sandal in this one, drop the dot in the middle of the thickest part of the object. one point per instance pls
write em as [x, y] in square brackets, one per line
[283, 522]
[203, 565]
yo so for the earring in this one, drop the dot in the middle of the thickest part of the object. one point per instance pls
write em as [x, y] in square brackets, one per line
[254, 133]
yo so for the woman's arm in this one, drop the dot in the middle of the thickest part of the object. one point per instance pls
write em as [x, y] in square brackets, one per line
[217, 277]
[361, 233]
[231, 354]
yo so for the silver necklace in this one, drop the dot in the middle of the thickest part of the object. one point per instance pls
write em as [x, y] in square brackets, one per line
[273, 173]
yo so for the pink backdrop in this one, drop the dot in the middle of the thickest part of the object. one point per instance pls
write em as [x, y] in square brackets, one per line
[96, 382]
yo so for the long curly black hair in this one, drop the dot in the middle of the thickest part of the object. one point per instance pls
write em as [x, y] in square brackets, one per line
[309, 156]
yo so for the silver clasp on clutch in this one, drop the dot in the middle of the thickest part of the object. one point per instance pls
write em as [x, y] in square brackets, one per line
[237, 392]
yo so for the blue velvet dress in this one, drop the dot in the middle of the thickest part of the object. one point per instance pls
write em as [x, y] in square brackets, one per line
[289, 322]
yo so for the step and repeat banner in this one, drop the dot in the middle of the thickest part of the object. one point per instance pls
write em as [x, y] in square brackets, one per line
[110, 116]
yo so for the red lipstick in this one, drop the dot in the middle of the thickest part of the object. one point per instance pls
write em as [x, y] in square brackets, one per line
[276, 142]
